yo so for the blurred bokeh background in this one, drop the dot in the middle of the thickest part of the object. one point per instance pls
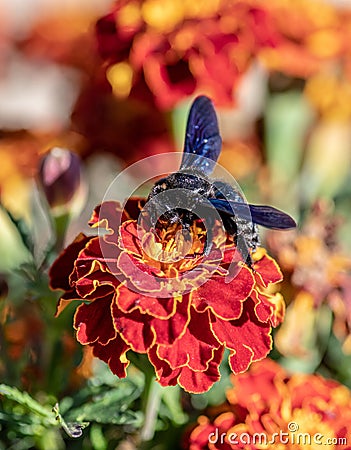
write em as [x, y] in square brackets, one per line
[112, 82]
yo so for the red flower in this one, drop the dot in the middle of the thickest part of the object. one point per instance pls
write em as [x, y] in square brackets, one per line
[155, 292]
[268, 408]
[175, 49]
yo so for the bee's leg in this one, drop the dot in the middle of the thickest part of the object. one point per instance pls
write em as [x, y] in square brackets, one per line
[243, 239]
[229, 224]
[235, 228]
[209, 241]
[256, 241]
[186, 219]
[243, 248]
[245, 251]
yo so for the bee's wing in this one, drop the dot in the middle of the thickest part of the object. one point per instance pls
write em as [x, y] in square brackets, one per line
[267, 216]
[203, 143]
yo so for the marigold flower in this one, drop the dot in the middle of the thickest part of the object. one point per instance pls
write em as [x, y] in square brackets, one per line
[269, 408]
[176, 48]
[317, 269]
[314, 37]
[157, 293]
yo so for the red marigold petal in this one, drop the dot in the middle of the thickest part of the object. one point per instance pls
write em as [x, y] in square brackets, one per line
[114, 354]
[199, 382]
[264, 311]
[107, 215]
[269, 307]
[133, 207]
[97, 255]
[164, 372]
[267, 271]
[63, 266]
[134, 328]
[231, 255]
[90, 289]
[128, 301]
[224, 299]
[108, 210]
[96, 270]
[195, 348]
[240, 361]
[93, 322]
[167, 331]
[247, 337]
[191, 381]
[140, 274]
[129, 238]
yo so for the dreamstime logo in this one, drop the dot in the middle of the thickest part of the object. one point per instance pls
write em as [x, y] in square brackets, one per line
[292, 436]
[145, 172]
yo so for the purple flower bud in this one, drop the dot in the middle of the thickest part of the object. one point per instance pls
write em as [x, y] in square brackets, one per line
[60, 176]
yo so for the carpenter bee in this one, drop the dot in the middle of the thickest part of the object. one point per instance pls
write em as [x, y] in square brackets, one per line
[189, 194]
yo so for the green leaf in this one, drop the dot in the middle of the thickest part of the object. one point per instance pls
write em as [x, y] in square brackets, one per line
[24, 399]
[22, 229]
[108, 409]
[111, 406]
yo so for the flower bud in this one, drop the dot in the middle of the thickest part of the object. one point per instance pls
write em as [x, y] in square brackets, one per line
[60, 176]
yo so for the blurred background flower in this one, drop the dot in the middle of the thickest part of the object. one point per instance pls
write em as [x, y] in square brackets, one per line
[267, 401]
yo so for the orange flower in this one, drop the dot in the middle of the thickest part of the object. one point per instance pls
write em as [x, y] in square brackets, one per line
[314, 36]
[319, 273]
[159, 294]
[268, 408]
[176, 48]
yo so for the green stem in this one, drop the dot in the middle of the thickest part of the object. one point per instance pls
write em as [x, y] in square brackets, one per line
[151, 403]
[61, 224]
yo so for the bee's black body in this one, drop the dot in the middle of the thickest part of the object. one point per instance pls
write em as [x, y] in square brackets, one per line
[191, 185]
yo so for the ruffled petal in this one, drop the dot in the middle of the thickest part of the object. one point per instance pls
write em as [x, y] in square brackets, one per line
[141, 275]
[191, 381]
[141, 331]
[96, 272]
[63, 266]
[114, 354]
[129, 301]
[110, 210]
[195, 348]
[107, 215]
[269, 307]
[267, 270]
[93, 322]
[167, 331]
[134, 329]
[96, 256]
[129, 239]
[224, 298]
[247, 337]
